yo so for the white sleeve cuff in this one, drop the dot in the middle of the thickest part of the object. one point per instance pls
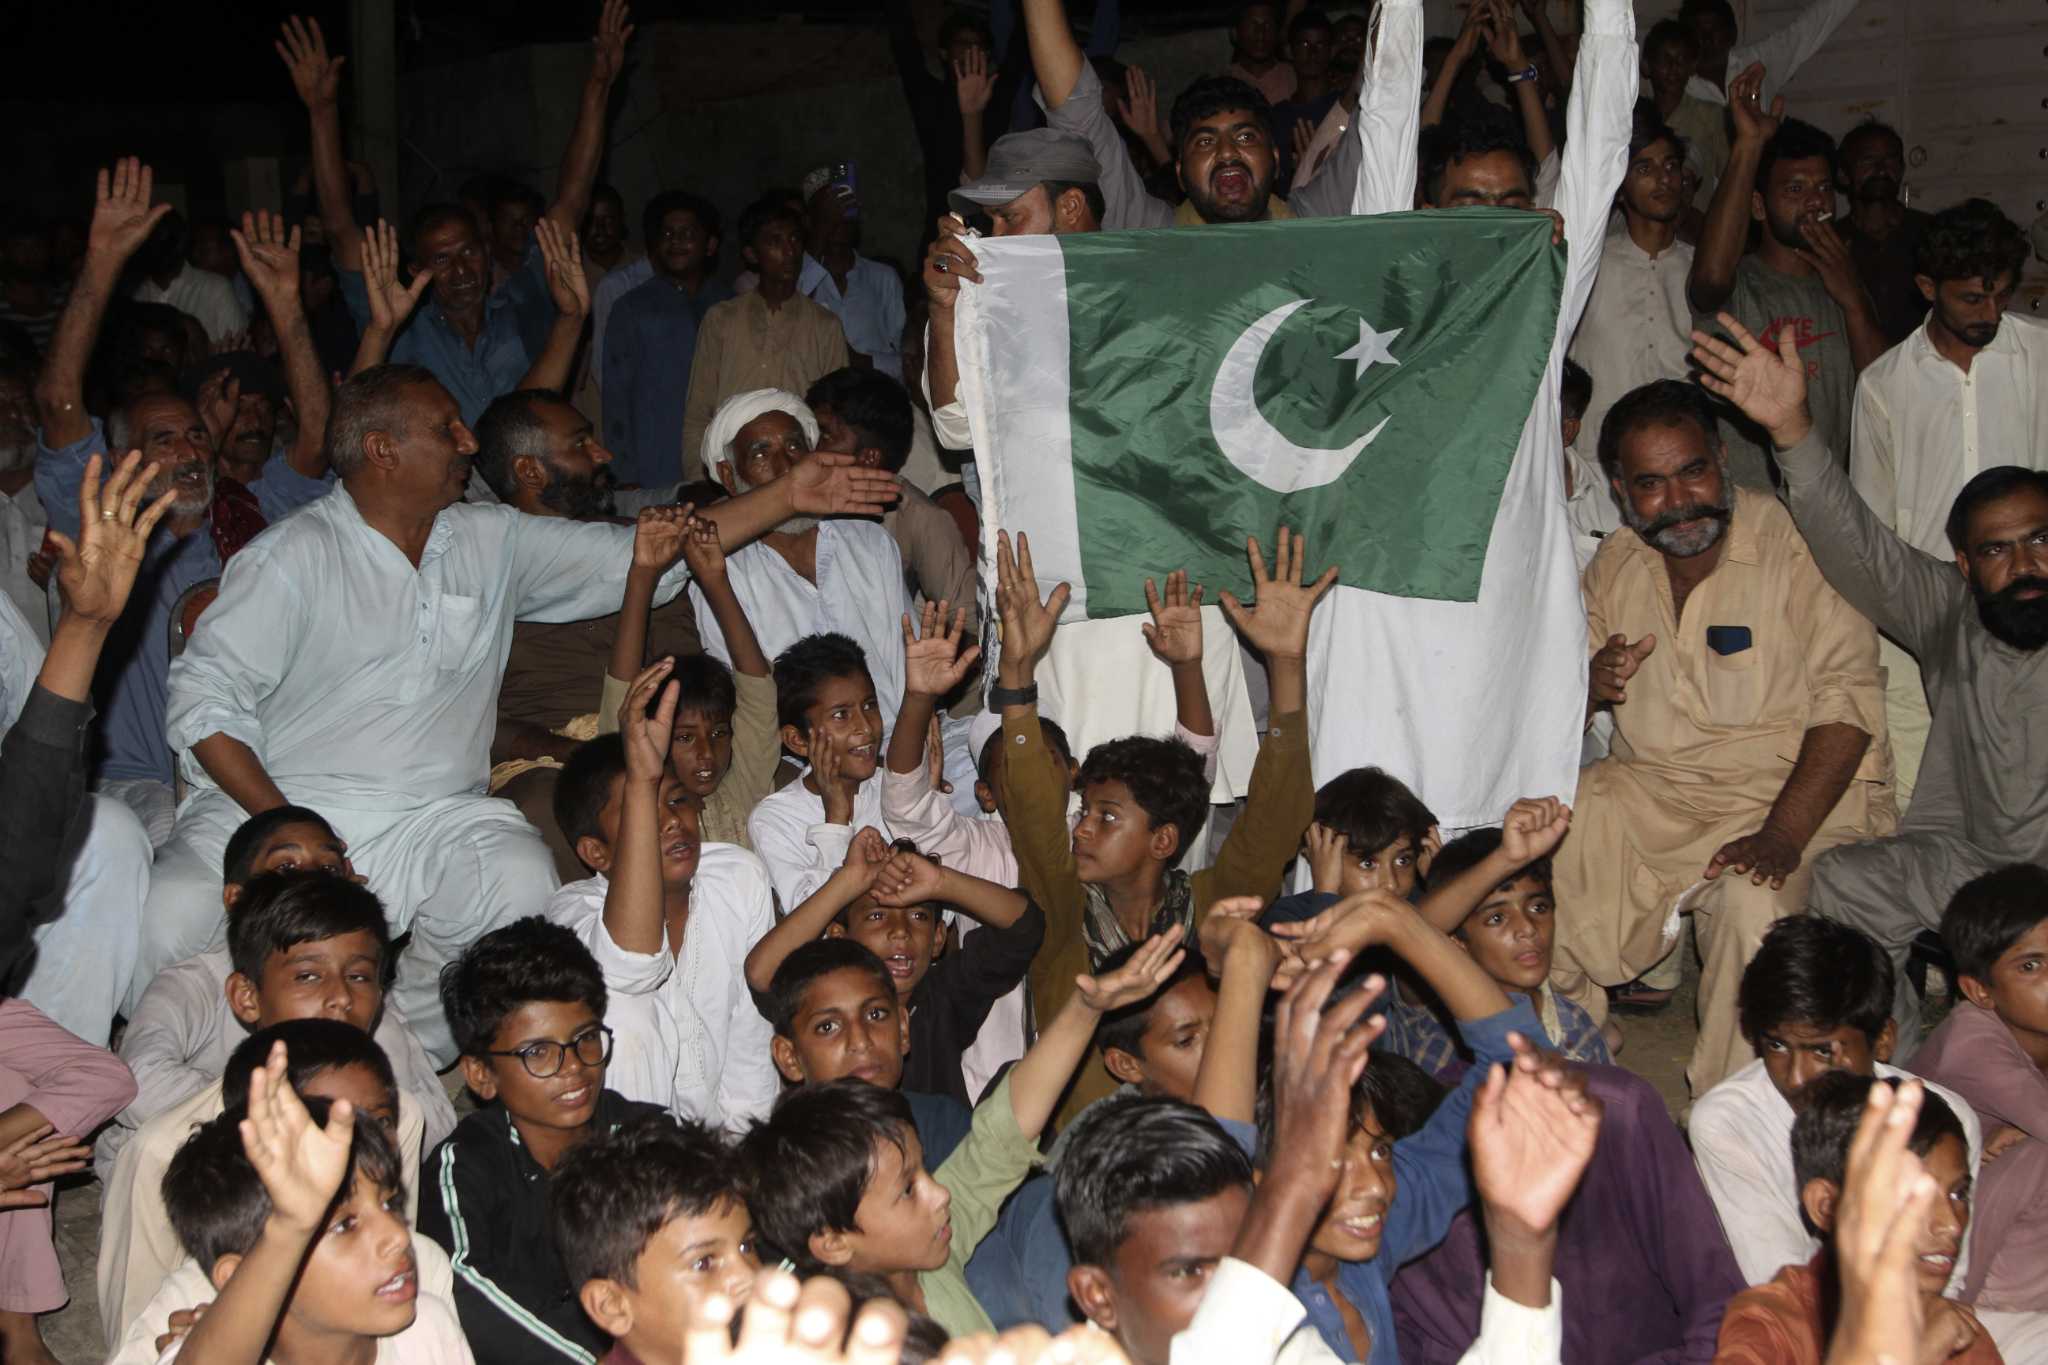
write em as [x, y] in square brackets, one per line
[1246, 1317]
[1515, 1334]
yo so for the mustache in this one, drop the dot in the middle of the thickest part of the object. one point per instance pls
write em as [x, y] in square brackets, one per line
[1699, 511]
[2010, 593]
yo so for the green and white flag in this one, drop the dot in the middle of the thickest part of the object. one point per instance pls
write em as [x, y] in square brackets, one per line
[1142, 401]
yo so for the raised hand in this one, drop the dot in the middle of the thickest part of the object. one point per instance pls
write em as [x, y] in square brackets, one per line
[1745, 107]
[218, 400]
[1326, 850]
[909, 879]
[1532, 1132]
[391, 303]
[270, 258]
[1886, 1195]
[1769, 386]
[836, 790]
[949, 261]
[1504, 36]
[1320, 1049]
[646, 737]
[561, 252]
[823, 485]
[1276, 623]
[1139, 103]
[1353, 924]
[1175, 631]
[702, 550]
[867, 853]
[122, 216]
[301, 1164]
[974, 81]
[1617, 661]
[1147, 969]
[790, 1324]
[662, 534]
[1534, 826]
[315, 75]
[1303, 138]
[1769, 855]
[933, 661]
[608, 45]
[1027, 622]
[35, 1158]
[96, 572]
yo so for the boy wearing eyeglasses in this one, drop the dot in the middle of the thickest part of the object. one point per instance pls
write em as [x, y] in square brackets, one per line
[526, 1004]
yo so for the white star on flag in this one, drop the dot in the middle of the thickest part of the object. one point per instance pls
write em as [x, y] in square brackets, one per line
[1371, 348]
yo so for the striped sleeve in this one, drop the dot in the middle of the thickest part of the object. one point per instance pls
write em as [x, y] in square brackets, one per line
[456, 1211]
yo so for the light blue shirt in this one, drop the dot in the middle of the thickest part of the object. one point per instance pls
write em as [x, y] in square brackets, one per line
[870, 311]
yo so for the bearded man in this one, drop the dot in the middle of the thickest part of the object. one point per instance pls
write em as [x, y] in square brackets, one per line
[805, 577]
[1978, 624]
[1748, 722]
[541, 455]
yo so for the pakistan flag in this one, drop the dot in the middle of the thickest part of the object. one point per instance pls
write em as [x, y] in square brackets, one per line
[1143, 401]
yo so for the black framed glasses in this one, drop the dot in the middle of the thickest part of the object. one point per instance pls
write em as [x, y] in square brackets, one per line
[543, 1059]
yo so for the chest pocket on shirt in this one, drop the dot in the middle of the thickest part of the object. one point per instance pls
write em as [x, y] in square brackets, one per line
[1735, 684]
[461, 626]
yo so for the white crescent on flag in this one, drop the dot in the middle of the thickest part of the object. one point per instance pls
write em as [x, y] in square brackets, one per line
[1253, 445]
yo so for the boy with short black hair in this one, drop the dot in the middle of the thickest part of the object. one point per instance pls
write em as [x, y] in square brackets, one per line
[825, 703]
[526, 1005]
[835, 1013]
[837, 1178]
[1790, 1319]
[1370, 833]
[1992, 1050]
[195, 1011]
[668, 918]
[295, 1211]
[1151, 1193]
[1155, 1044]
[301, 944]
[1492, 894]
[1816, 998]
[725, 748]
[1404, 1175]
[888, 900]
[327, 1060]
[1114, 877]
[651, 1221]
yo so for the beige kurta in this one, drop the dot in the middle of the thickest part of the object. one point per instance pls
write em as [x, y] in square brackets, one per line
[743, 345]
[1701, 749]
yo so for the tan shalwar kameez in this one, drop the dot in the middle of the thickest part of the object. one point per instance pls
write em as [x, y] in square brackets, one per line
[1702, 747]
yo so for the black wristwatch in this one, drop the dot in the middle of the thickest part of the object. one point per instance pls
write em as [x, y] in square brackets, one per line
[999, 697]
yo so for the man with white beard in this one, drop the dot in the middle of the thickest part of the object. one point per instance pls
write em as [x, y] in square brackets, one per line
[806, 577]
[133, 761]
[22, 521]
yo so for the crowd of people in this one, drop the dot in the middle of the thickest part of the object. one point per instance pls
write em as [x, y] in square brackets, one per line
[529, 829]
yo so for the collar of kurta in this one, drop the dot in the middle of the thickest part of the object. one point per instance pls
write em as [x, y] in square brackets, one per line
[1927, 352]
[1186, 216]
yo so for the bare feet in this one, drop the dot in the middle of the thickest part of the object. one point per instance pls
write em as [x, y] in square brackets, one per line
[21, 1341]
[1611, 1032]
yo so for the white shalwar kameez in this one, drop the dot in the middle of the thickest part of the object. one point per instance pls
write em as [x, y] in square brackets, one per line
[368, 689]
